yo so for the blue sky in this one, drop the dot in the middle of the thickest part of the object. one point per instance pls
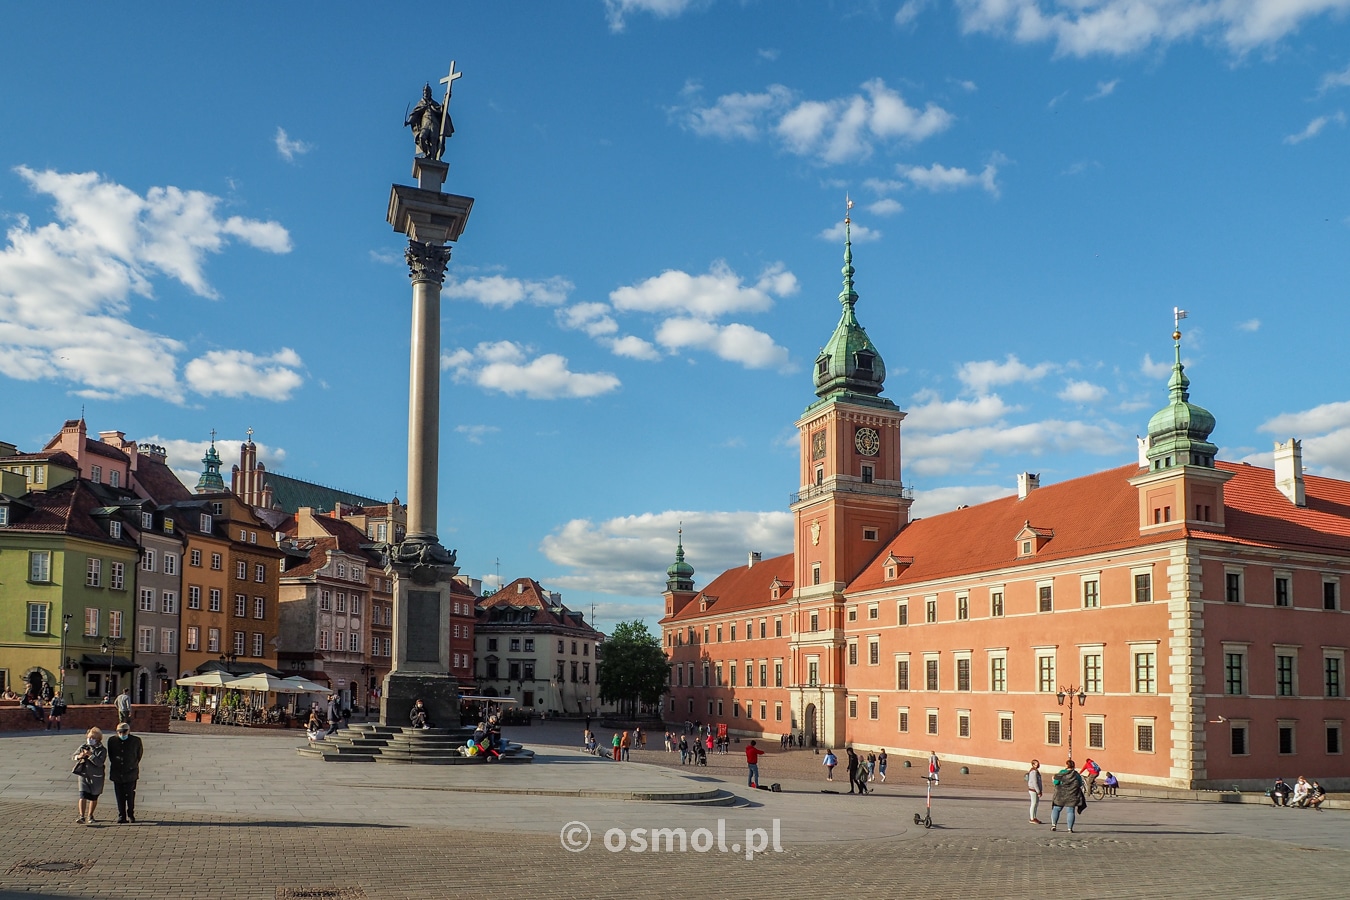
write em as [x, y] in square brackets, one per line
[194, 205]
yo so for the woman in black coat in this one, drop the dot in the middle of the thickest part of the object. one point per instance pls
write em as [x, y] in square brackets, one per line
[1068, 795]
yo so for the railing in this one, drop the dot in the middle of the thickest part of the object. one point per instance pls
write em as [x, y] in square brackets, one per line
[853, 487]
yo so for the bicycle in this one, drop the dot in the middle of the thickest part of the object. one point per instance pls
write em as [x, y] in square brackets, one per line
[1096, 790]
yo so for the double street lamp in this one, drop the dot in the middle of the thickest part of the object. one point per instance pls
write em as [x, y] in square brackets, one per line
[65, 634]
[1068, 695]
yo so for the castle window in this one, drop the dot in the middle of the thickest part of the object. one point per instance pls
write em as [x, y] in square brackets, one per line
[867, 473]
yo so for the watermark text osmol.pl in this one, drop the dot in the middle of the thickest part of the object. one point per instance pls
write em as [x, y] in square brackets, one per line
[576, 836]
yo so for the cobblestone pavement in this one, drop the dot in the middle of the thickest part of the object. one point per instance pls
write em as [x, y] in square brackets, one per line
[241, 815]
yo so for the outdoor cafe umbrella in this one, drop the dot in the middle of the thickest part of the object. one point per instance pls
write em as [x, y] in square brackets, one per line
[306, 686]
[263, 682]
[210, 679]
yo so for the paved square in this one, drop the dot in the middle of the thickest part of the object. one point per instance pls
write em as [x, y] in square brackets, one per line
[240, 815]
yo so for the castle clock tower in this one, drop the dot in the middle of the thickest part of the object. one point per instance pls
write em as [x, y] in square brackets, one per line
[851, 503]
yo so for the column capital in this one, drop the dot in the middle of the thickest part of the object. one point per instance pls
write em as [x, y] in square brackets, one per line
[426, 262]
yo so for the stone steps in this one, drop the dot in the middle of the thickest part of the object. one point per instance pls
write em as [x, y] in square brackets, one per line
[397, 744]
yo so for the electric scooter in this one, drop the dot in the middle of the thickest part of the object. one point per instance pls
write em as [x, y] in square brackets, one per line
[926, 820]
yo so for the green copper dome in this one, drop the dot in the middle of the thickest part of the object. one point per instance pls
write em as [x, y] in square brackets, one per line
[680, 575]
[211, 479]
[1178, 434]
[849, 362]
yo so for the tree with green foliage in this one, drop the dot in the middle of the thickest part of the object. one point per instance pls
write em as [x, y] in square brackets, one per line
[633, 668]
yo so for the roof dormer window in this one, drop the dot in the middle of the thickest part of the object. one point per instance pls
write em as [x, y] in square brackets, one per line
[4, 514]
[864, 362]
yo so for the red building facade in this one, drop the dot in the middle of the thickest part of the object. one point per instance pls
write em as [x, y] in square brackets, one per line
[1180, 620]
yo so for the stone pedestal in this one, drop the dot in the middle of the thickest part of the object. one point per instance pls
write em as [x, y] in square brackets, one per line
[438, 693]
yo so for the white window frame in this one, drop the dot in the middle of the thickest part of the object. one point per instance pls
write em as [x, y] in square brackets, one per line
[998, 594]
[1056, 719]
[1000, 654]
[1240, 573]
[1093, 578]
[1288, 578]
[40, 566]
[118, 578]
[1099, 651]
[1150, 722]
[93, 572]
[1286, 650]
[145, 639]
[39, 617]
[169, 603]
[1240, 648]
[1006, 716]
[1137, 648]
[1135, 572]
[148, 561]
[1042, 686]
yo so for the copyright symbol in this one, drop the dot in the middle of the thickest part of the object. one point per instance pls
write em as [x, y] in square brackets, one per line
[575, 837]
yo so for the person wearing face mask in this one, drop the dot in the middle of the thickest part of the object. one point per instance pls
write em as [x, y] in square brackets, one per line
[124, 768]
[90, 760]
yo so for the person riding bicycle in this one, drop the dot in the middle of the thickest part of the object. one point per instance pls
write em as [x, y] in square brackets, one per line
[1090, 771]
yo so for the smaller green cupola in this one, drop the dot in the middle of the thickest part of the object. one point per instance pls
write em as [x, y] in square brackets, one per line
[211, 479]
[849, 363]
[1178, 434]
[680, 575]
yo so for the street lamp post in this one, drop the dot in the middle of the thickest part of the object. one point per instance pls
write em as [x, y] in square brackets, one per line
[109, 646]
[1068, 695]
[65, 635]
[228, 660]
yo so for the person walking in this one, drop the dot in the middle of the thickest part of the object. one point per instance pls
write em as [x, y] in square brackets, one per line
[752, 755]
[616, 742]
[90, 761]
[1068, 796]
[1033, 779]
[56, 712]
[934, 766]
[830, 762]
[332, 713]
[871, 767]
[124, 770]
[881, 765]
[123, 705]
[852, 769]
[684, 750]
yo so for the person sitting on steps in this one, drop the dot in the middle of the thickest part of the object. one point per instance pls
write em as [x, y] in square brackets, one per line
[418, 716]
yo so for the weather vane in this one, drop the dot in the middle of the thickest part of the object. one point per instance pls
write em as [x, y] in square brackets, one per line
[1177, 315]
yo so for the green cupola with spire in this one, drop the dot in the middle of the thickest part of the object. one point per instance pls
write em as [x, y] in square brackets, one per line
[1178, 434]
[211, 479]
[680, 575]
[849, 363]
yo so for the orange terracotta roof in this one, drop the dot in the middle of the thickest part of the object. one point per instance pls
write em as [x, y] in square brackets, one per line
[1093, 514]
[741, 588]
[526, 593]
[1257, 514]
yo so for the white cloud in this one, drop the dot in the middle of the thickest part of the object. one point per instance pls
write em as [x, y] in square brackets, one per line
[1250, 325]
[738, 115]
[628, 555]
[967, 85]
[860, 234]
[184, 457]
[839, 130]
[1104, 89]
[957, 451]
[981, 375]
[474, 434]
[1056, 100]
[288, 149]
[238, 373]
[1325, 432]
[935, 414]
[592, 318]
[1121, 27]
[735, 343]
[387, 257]
[500, 291]
[634, 347]
[1082, 392]
[616, 11]
[932, 501]
[1333, 80]
[718, 293]
[1151, 369]
[908, 12]
[506, 366]
[1315, 127]
[938, 177]
[1318, 420]
[66, 287]
[885, 207]
[768, 54]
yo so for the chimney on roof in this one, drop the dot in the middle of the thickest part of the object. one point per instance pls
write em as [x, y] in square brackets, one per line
[520, 587]
[1026, 483]
[8, 449]
[755, 556]
[1289, 471]
[1143, 451]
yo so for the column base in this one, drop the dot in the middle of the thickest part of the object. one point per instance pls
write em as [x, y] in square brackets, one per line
[438, 693]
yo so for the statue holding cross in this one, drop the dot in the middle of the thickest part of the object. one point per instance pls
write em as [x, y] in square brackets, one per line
[430, 121]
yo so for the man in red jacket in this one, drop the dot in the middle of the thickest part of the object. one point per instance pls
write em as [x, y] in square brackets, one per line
[752, 755]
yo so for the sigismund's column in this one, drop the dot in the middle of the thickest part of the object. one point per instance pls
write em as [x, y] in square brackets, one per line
[422, 569]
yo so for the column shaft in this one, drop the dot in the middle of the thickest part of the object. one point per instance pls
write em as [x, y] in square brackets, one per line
[424, 409]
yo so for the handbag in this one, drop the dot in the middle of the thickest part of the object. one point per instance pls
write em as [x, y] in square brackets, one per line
[81, 768]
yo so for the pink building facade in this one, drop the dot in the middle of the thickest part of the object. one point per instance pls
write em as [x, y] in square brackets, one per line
[1178, 619]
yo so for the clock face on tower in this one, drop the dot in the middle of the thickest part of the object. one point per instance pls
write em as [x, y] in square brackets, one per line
[867, 441]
